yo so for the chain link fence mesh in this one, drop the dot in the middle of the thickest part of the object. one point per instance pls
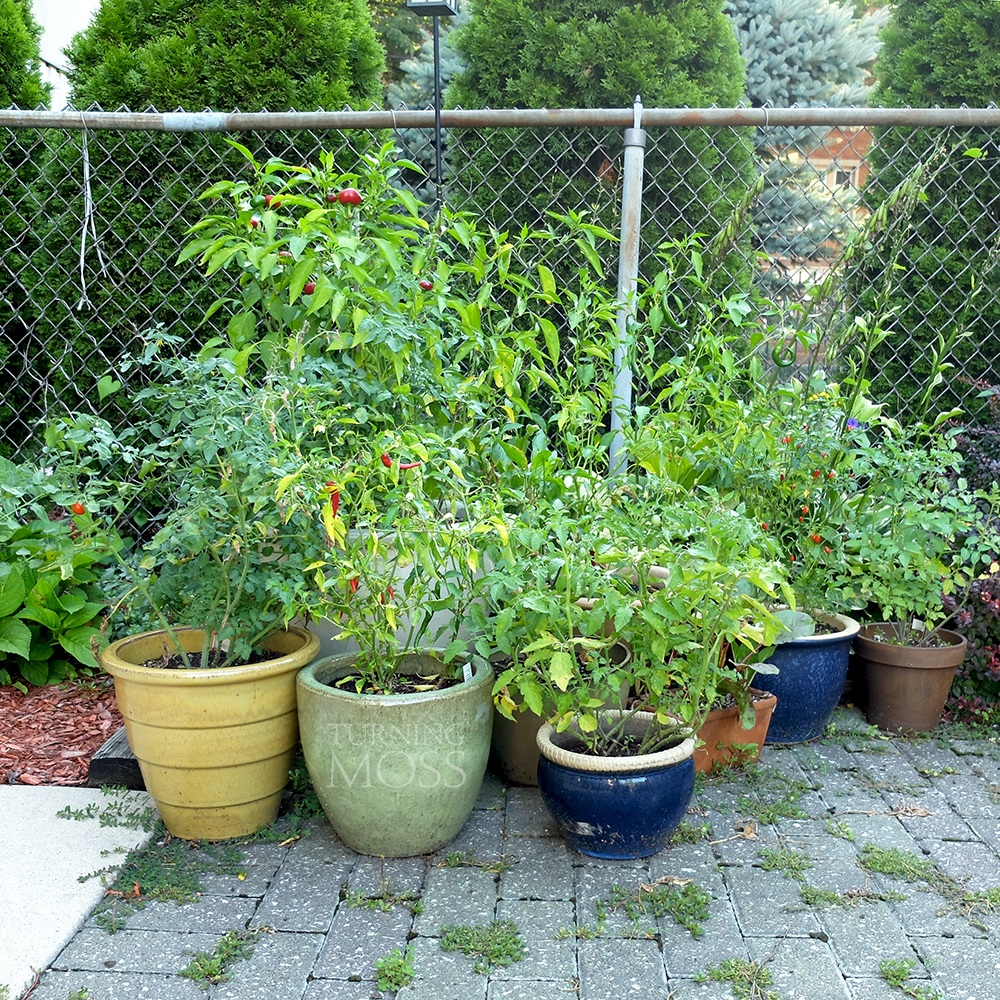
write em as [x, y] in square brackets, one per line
[92, 223]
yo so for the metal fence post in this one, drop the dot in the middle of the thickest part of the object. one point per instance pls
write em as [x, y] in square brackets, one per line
[628, 270]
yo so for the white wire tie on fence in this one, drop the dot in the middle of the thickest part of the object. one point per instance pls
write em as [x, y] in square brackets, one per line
[88, 220]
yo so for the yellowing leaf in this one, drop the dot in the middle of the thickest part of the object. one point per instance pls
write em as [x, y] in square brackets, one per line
[561, 669]
[588, 723]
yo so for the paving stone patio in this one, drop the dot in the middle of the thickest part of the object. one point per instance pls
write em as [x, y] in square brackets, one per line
[818, 804]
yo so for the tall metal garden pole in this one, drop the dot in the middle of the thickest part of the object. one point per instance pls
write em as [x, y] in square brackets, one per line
[628, 271]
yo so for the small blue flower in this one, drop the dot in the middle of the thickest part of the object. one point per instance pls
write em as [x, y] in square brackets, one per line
[855, 425]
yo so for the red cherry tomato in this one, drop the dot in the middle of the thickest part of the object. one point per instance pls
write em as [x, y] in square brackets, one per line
[78, 508]
[309, 287]
[426, 285]
[349, 196]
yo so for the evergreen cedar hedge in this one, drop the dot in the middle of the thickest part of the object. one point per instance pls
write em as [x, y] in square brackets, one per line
[601, 54]
[20, 69]
[940, 52]
[271, 54]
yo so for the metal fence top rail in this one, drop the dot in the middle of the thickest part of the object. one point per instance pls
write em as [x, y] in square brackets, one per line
[212, 121]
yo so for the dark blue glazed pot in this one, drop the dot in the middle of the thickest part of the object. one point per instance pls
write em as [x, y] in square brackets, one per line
[615, 807]
[811, 675]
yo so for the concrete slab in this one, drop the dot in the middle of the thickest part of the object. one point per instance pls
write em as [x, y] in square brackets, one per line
[41, 859]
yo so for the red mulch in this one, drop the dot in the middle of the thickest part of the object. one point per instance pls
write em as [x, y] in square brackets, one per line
[48, 735]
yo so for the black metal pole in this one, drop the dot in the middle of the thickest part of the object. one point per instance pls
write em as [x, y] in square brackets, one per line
[438, 172]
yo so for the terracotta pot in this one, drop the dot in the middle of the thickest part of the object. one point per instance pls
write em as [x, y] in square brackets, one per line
[214, 745]
[908, 685]
[722, 732]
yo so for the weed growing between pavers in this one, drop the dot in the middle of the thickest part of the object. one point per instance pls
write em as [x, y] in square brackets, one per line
[930, 772]
[750, 980]
[910, 868]
[587, 932]
[81, 994]
[496, 945]
[395, 970]
[838, 828]
[121, 811]
[168, 869]
[384, 898]
[791, 864]
[896, 972]
[688, 833]
[818, 898]
[467, 859]
[213, 966]
[681, 899]
[867, 739]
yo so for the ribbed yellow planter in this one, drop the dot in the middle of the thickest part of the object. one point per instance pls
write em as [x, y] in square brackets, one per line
[214, 746]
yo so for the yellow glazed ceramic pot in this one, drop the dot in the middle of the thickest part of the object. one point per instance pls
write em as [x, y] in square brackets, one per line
[215, 745]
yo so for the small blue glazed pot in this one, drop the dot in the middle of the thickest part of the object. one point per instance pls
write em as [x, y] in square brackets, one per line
[615, 807]
[811, 675]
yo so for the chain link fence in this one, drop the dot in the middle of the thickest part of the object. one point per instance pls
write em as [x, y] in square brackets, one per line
[95, 210]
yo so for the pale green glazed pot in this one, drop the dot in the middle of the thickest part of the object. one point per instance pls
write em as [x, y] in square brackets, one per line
[397, 775]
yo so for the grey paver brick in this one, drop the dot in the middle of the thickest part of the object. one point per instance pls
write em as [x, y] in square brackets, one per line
[920, 913]
[492, 795]
[802, 968]
[967, 968]
[374, 876]
[260, 863]
[961, 859]
[864, 936]
[116, 986]
[685, 955]
[527, 816]
[456, 896]
[132, 951]
[932, 757]
[545, 957]
[442, 975]
[279, 967]
[766, 904]
[358, 938]
[302, 897]
[528, 989]
[544, 871]
[617, 969]
[339, 989]
[320, 845]
[883, 830]
[940, 823]
[969, 795]
[688, 989]
[987, 829]
[482, 835]
[595, 883]
[210, 914]
[874, 989]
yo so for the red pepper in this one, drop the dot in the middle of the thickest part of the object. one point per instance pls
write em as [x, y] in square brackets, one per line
[78, 508]
[826, 549]
[353, 584]
[334, 502]
[386, 461]
[409, 465]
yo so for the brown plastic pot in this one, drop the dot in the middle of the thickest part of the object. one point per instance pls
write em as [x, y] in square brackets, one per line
[721, 733]
[907, 685]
